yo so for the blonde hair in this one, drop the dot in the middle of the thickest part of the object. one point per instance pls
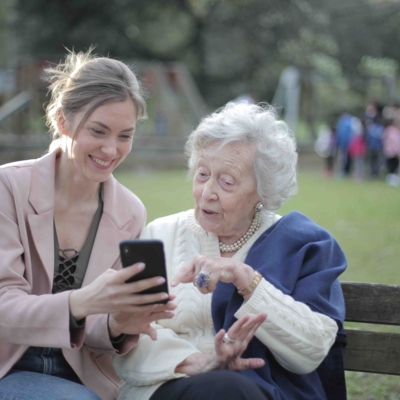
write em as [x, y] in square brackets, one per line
[84, 79]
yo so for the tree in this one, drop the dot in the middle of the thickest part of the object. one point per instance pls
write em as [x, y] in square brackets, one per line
[230, 46]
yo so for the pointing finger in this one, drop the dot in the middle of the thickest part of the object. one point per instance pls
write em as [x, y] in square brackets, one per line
[184, 275]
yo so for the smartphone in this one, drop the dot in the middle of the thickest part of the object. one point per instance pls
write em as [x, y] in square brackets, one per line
[150, 252]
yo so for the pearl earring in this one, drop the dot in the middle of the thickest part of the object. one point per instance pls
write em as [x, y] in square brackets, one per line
[259, 207]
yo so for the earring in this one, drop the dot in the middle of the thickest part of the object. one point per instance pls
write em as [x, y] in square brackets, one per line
[259, 207]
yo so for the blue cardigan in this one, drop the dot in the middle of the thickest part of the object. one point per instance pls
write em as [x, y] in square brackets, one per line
[304, 261]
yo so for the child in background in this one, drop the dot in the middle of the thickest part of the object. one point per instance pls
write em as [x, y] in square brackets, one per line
[357, 149]
[374, 131]
[391, 151]
[325, 147]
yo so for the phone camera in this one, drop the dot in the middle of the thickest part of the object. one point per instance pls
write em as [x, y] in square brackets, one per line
[126, 250]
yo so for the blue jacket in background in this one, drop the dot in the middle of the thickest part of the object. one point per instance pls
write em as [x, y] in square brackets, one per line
[374, 134]
[344, 131]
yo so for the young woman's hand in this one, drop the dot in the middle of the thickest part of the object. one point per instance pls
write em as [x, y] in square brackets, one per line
[139, 320]
[109, 294]
[227, 355]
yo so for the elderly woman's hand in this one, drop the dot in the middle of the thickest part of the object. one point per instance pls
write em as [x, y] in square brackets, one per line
[229, 346]
[221, 269]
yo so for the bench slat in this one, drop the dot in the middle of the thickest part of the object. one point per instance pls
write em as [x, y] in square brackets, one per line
[376, 352]
[372, 303]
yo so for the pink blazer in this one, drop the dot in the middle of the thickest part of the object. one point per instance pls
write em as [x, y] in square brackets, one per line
[29, 314]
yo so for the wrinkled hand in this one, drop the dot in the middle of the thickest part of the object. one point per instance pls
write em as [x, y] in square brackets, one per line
[242, 331]
[227, 355]
[197, 364]
[221, 269]
[109, 294]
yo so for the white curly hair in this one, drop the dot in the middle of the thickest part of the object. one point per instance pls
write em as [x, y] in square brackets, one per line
[275, 160]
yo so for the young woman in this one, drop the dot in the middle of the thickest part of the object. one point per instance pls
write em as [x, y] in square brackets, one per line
[65, 308]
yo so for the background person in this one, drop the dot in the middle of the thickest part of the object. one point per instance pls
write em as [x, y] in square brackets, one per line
[374, 130]
[325, 147]
[344, 135]
[258, 301]
[65, 309]
[391, 151]
[358, 150]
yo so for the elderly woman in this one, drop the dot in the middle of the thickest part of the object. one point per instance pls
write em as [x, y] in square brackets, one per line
[258, 301]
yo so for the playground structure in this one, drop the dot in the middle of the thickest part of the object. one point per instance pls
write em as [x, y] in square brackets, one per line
[287, 96]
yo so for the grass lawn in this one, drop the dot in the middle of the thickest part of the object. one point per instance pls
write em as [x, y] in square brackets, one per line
[364, 217]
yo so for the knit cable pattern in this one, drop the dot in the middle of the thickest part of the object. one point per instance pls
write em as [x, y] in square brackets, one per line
[290, 325]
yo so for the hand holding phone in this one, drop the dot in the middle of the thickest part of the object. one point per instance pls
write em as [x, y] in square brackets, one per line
[151, 253]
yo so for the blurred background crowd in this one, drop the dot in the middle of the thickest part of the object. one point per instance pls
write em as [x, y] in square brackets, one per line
[363, 146]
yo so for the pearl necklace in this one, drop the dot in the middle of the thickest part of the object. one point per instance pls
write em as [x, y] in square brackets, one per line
[229, 248]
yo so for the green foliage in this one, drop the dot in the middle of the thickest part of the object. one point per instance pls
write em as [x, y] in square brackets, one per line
[231, 47]
[222, 42]
[50, 26]
[378, 66]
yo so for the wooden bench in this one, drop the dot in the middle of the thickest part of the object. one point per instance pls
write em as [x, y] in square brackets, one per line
[372, 351]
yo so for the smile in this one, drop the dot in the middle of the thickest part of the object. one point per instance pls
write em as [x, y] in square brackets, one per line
[101, 162]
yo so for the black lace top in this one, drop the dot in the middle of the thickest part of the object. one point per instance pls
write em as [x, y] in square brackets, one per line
[70, 264]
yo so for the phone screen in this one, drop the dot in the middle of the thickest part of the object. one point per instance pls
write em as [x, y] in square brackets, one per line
[151, 253]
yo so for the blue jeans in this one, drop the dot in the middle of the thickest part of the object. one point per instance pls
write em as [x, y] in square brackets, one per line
[43, 374]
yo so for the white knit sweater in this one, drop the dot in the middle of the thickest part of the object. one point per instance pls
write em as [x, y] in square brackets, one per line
[298, 338]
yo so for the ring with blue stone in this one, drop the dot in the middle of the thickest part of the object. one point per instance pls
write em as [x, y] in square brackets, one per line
[202, 279]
